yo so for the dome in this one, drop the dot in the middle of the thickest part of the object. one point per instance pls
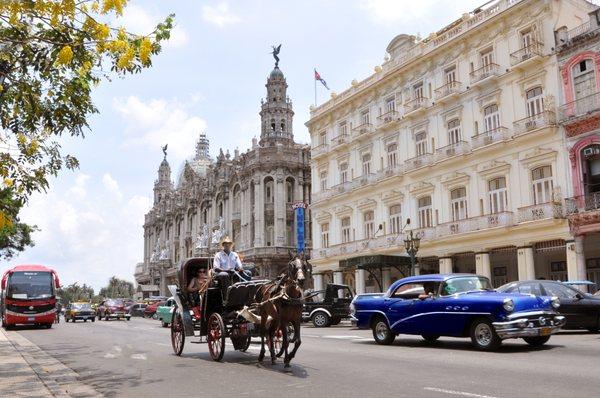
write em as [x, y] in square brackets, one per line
[276, 73]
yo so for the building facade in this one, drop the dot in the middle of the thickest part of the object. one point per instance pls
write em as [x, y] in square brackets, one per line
[247, 196]
[578, 51]
[458, 134]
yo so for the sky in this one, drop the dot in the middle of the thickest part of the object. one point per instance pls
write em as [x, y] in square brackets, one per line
[210, 77]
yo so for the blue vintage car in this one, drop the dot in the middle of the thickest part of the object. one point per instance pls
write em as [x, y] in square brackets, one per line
[457, 305]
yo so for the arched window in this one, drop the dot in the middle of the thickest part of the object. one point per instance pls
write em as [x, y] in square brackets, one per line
[325, 235]
[454, 131]
[392, 155]
[289, 190]
[542, 184]
[535, 101]
[369, 224]
[343, 173]
[269, 190]
[237, 202]
[491, 118]
[282, 126]
[584, 79]
[497, 195]
[458, 202]
[366, 164]
[425, 212]
[272, 124]
[323, 180]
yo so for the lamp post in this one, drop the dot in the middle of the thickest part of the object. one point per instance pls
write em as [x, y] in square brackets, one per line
[411, 243]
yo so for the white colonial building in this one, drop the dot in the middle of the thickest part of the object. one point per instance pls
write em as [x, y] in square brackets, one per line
[458, 133]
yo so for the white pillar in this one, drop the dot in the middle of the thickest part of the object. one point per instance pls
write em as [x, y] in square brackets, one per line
[279, 212]
[360, 281]
[386, 278]
[318, 282]
[338, 278]
[581, 269]
[525, 263]
[259, 212]
[482, 264]
[445, 265]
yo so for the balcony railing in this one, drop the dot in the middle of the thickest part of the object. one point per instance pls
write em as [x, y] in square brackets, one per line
[484, 72]
[490, 137]
[319, 150]
[452, 150]
[426, 233]
[540, 211]
[391, 171]
[583, 203]
[342, 187]
[364, 180]
[579, 30]
[340, 140]
[580, 107]
[542, 119]
[454, 227]
[416, 104]
[388, 118]
[448, 89]
[528, 52]
[418, 161]
[363, 129]
[502, 219]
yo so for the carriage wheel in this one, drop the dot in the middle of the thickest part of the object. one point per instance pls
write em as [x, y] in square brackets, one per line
[177, 333]
[246, 344]
[216, 337]
[278, 342]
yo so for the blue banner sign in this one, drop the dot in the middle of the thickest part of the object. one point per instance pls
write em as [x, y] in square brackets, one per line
[299, 210]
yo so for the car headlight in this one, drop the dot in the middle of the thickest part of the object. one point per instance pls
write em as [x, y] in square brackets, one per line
[508, 305]
[555, 302]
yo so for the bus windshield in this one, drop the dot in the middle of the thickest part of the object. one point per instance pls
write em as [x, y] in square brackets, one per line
[30, 285]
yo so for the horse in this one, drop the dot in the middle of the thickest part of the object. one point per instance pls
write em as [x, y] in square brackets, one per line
[281, 304]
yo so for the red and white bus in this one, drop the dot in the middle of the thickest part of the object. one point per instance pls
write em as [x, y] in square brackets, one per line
[29, 296]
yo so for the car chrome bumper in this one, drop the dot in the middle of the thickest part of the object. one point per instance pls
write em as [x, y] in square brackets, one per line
[530, 325]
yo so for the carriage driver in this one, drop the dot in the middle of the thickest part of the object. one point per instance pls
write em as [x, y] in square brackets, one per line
[226, 261]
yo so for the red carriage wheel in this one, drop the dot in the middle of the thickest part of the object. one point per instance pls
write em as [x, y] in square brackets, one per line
[216, 337]
[177, 333]
[278, 342]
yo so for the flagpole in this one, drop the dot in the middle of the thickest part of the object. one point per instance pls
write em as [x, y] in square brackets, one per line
[315, 79]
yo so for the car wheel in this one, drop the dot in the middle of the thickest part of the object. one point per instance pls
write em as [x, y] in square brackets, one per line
[381, 332]
[128, 318]
[154, 316]
[94, 319]
[430, 338]
[48, 326]
[537, 341]
[483, 335]
[320, 319]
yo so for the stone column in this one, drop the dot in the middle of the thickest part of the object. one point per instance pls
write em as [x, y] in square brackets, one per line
[525, 263]
[359, 277]
[576, 269]
[279, 211]
[482, 264]
[318, 282]
[445, 265]
[338, 279]
[259, 215]
[386, 278]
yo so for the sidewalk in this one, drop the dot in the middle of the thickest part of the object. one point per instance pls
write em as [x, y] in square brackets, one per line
[27, 371]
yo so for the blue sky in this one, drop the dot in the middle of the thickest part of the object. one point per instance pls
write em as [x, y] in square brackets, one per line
[209, 78]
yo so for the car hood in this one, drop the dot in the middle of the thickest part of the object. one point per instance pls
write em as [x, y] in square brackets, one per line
[523, 302]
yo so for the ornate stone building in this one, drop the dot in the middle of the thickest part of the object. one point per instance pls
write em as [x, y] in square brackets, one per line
[247, 196]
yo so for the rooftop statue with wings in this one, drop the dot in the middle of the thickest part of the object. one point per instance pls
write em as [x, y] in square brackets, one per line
[275, 53]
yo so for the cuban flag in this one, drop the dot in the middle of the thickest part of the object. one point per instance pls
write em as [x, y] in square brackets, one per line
[319, 78]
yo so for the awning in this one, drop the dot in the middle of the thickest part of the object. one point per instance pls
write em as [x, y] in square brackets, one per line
[148, 288]
[375, 261]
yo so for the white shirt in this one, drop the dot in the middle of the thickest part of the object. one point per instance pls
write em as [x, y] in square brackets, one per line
[227, 262]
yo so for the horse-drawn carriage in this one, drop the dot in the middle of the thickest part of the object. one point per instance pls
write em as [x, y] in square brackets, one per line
[219, 316]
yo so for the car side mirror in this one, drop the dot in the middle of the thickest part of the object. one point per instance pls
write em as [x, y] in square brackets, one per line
[579, 296]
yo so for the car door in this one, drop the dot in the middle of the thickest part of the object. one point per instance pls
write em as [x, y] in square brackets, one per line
[402, 307]
[571, 305]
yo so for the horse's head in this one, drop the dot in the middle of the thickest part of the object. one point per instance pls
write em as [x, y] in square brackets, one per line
[297, 270]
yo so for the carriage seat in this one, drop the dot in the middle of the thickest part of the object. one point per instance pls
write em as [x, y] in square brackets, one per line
[242, 293]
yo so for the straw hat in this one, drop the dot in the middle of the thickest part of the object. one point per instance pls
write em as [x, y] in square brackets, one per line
[226, 239]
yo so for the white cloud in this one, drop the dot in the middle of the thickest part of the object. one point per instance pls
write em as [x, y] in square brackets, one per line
[219, 15]
[88, 238]
[138, 20]
[157, 122]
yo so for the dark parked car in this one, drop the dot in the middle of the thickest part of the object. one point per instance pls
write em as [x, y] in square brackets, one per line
[137, 309]
[112, 308]
[582, 310]
[330, 310]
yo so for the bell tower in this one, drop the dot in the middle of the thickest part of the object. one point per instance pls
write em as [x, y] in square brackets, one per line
[276, 112]
[163, 185]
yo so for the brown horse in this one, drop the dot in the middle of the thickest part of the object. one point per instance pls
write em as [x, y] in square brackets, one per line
[281, 304]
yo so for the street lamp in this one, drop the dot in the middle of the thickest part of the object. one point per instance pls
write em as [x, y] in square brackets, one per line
[411, 243]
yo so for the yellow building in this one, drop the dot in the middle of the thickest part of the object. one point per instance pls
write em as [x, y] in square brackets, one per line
[456, 132]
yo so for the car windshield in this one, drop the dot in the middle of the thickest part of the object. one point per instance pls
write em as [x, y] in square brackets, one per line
[114, 303]
[81, 306]
[30, 285]
[465, 284]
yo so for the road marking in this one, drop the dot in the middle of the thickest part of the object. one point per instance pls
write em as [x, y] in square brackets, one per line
[109, 355]
[117, 348]
[461, 393]
[139, 356]
[348, 337]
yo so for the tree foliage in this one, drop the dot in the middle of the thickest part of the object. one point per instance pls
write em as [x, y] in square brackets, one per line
[14, 235]
[52, 53]
[117, 288]
[75, 292]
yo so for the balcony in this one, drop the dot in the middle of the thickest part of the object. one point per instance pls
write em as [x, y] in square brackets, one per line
[449, 151]
[448, 91]
[340, 141]
[498, 134]
[502, 219]
[363, 130]
[528, 55]
[388, 119]
[535, 122]
[454, 228]
[541, 211]
[364, 180]
[583, 203]
[319, 151]
[582, 108]
[418, 162]
[486, 72]
[390, 171]
[415, 106]
[583, 213]
[322, 195]
[342, 187]
[426, 233]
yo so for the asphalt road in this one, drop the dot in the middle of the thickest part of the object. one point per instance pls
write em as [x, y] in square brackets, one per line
[134, 359]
